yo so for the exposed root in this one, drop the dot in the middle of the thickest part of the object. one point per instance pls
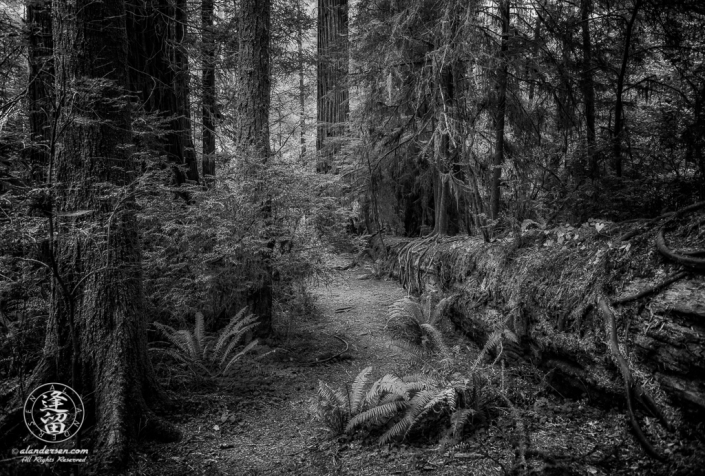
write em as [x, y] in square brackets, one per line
[630, 387]
[689, 261]
[347, 346]
[651, 289]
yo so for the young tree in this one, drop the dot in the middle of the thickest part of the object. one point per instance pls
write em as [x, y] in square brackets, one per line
[332, 79]
[96, 333]
[252, 133]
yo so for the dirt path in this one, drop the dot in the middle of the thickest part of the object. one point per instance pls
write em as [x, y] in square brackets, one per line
[263, 422]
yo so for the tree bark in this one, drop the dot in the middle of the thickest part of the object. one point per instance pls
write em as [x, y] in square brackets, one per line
[252, 136]
[41, 88]
[588, 86]
[208, 85]
[96, 334]
[501, 106]
[332, 79]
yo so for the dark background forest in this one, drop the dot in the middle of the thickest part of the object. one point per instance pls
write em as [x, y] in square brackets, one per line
[178, 176]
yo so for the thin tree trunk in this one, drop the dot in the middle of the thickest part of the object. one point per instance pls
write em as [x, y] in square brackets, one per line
[252, 133]
[332, 79]
[588, 86]
[96, 334]
[41, 87]
[208, 85]
[501, 105]
[619, 105]
[181, 86]
[302, 89]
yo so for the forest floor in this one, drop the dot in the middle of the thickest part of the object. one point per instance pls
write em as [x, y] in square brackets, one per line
[263, 421]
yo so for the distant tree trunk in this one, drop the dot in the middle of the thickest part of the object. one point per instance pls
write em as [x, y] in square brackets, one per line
[534, 54]
[500, 109]
[619, 105]
[588, 86]
[159, 75]
[208, 85]
[41, 85]
[302, 89]
[332, 75]
[181, 86]
[252, 132]
[96, 334]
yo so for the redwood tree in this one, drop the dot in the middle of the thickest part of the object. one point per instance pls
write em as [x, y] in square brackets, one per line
[332, 78]
[96, 333]
[252, 135]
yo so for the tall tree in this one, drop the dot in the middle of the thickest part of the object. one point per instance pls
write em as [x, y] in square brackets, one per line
[96, 333]
[159, 76]
[500, 109]
[588, 86]
[619, 102]
[252, 133]
[332, 77]
[208, 87]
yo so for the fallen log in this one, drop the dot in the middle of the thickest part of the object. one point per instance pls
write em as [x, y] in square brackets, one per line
[546, 289]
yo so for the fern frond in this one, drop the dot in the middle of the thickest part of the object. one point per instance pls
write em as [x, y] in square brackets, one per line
[358, 390]
[387, 384]
[236, 338]
[172, 336]
[436, 339]
[199, 332]
[416, 406]
[376, 415]
[459, 419]
[191, 345]
[237, 356]
[492, 341]
[238, 325]
[329, 395]
[240, 316]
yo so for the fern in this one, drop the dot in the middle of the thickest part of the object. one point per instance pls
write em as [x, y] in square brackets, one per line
[199, 352]
[494, 341]
[416, 329]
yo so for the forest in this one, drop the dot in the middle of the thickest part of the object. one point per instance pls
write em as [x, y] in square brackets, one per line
[337, 237]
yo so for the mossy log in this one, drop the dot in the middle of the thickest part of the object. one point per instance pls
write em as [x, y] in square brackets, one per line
[545, 285]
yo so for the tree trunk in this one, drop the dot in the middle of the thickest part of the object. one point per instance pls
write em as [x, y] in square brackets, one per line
[41, 88]
[302, 89]
[159, 74]
[252, 135]
[588, 86]
[96, 334]
[332, 85]
[619, 106]
[501, 105]
[208, 85]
